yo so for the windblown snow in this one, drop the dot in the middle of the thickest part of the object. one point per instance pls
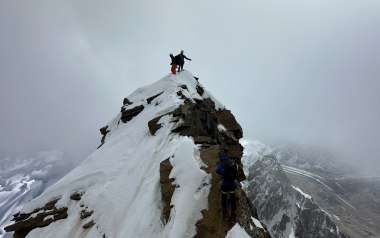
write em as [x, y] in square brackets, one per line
[120, 180]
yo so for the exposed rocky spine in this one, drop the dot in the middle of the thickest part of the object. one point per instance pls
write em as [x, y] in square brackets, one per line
[213, 130]
[167, 188]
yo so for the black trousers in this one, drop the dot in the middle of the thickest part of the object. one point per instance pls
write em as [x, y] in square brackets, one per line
[180, 66]
[229, 191]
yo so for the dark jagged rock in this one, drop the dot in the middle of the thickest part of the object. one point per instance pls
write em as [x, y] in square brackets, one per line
[180, 95]
[167, 188]
[50, 205]
[127, 115]
[126, 101]
[76, 196]
[41, 217]
[228, 120]
[104, 131]
[200, 90]
[150, 99]
[154, 126]
[89, 224]
[22, 216]
[84, 214]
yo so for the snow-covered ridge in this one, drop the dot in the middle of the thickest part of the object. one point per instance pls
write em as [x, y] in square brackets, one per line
[120, 179]
[115, 192]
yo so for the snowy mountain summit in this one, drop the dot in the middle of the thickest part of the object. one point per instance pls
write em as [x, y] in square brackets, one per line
[153, 174]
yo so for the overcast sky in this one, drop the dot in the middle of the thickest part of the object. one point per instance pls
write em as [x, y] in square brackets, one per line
[302, 71]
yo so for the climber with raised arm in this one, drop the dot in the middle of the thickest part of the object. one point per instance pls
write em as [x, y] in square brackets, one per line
[181, 62]
[227, 168]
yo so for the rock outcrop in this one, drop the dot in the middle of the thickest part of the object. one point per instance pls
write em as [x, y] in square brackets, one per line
[104, 131]
[214, 130]
[40, 217]
[128, 114]
[167, 188]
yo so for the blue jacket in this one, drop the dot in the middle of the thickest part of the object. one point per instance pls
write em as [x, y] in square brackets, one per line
[223, 158]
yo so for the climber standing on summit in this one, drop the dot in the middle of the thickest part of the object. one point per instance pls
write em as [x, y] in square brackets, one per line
[181, 62]
[227, 168]
[175, 62]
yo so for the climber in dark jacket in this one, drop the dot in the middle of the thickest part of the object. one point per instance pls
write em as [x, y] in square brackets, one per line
[228, 170]
[174, 63]
[181, 62]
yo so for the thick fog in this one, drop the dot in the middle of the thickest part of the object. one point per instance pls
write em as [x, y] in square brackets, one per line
[300, 71]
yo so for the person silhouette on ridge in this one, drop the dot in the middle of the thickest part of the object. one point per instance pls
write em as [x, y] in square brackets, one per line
[227, 168]
[181, 62]
[175, 62]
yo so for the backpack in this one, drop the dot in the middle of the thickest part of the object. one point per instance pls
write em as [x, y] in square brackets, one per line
[177, 59]
[229, 170]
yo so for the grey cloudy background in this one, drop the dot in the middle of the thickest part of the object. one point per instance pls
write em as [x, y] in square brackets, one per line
[301, 71]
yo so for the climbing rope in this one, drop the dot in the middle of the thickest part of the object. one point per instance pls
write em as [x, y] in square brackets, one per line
[220, 223]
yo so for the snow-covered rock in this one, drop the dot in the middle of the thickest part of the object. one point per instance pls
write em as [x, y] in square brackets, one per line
[253, 150]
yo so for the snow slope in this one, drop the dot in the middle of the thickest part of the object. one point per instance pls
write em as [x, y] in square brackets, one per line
[120, 180]
[23, 179]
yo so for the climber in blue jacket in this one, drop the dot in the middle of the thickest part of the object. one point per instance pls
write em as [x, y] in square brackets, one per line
[227, 168]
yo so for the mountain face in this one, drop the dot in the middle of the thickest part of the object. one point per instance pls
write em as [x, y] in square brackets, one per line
[153, 174]
[351, 198]
[285, 209]
[22, 180]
